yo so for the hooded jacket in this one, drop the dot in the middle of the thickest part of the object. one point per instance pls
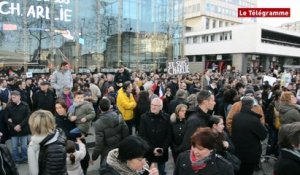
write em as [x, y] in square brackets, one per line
[288, 114]
[110, 129]
[83, 110]
[47, 155]
[125, 104]
[288, 163]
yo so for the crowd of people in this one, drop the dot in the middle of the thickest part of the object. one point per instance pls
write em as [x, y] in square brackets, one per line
[213, 122]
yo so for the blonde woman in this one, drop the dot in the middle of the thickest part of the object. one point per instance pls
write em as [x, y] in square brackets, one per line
[46, 150]
[177, 120]
[288, 109]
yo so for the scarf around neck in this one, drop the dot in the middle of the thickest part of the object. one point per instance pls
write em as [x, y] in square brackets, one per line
[199, 164]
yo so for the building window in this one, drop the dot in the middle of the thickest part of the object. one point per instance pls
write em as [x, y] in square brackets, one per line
[198, 58]
[203, 39]
[226, 24]
[214, 24]
[195, 40]
[191, 58]
[207, 23]
[220, 23]
[189, 40]
[212, 37]
[198, 7]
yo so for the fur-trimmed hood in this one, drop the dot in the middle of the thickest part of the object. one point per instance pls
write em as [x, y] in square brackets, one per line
[173, 118]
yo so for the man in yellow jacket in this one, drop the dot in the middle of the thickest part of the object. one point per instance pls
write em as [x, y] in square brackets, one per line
[126, 104]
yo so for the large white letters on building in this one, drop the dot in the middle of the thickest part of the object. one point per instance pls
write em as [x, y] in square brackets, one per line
[37, 11]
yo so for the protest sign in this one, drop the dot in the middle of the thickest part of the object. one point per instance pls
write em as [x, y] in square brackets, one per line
[178, 67]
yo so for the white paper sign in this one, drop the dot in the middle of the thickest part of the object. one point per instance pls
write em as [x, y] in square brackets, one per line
[29, 74]
[178, 67]
[270, 79]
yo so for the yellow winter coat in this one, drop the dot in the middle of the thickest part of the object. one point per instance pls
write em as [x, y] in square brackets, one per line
[125, 104]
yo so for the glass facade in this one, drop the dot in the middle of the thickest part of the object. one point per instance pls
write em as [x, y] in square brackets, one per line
[91, 33]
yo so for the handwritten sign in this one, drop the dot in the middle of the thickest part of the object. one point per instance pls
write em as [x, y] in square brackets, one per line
[178, 67]
[37, 11]
[29, 74]
[270, 79]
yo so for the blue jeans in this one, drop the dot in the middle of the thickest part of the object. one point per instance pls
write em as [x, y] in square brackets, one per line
[15, 142]
[74, 133]
[161, 166]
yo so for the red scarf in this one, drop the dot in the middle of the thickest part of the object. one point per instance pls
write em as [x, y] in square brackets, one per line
[197, 164]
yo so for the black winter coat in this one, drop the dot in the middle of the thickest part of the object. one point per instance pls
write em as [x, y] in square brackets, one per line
[125, 76]
[44, 100]
[217, 166]
[288, 163]
[66, 125]
[7, 165]
[25, 96]
[141, 108]
[19, 114]
[196, 118]
[156, 130]
[52, 156]
[110, 129]
[178, 130]
[247, 132]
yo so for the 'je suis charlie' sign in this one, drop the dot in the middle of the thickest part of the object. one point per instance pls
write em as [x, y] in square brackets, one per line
[178, 67]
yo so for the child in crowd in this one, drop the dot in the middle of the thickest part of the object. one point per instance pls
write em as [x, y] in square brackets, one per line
[74, 157]
[82, 113]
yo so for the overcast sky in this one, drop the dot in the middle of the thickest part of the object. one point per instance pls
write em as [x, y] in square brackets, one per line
[294, 5]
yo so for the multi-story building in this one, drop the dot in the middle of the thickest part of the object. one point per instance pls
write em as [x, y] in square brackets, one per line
[292, 26]
[217, 39]
[123, 31]
[209, 14]
[246, 46]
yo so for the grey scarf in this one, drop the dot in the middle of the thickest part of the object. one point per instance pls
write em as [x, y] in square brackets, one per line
[120, 167]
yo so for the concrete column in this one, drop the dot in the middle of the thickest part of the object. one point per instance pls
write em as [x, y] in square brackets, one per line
[268, 62]
[211, 23]
[240, 62]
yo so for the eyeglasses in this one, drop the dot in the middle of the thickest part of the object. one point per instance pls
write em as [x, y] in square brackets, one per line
[155, 105]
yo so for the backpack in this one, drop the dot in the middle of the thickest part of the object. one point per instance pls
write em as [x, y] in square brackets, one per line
[276, 122]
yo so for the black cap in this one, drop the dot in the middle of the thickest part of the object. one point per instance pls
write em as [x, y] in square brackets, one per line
[45, 83]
